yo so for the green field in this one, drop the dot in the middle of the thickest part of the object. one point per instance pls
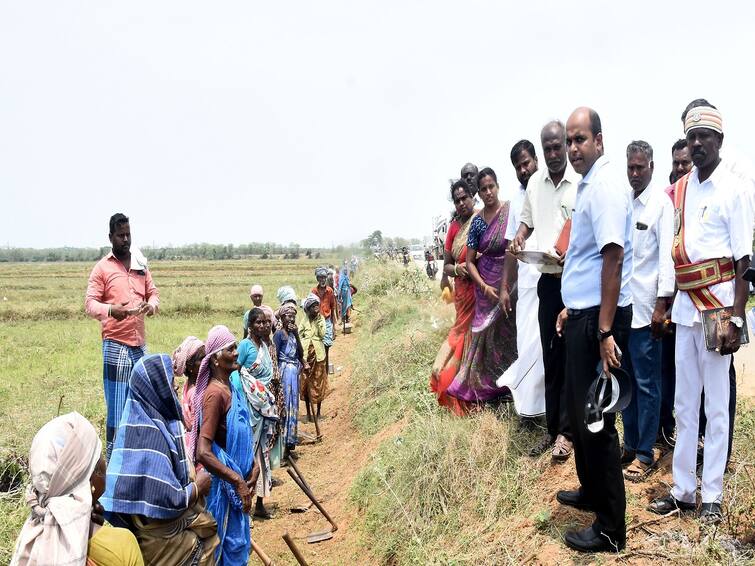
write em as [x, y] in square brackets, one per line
[50, 351]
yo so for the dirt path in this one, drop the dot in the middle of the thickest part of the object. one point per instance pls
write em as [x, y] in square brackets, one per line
[744, 360]
[329, 468]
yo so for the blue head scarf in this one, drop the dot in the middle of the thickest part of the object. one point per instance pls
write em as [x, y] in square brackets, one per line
[148, 472]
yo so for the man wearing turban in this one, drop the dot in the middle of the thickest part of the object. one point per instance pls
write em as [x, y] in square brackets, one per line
[711, 250]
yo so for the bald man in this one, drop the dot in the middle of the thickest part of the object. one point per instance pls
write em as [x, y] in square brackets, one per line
[469, 174]
[547, 204]
[596, 323]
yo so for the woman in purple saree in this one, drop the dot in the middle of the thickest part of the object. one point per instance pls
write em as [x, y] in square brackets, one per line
[491, 346]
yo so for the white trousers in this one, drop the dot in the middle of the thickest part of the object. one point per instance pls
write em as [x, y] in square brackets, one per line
[696, 368]
[526, 377]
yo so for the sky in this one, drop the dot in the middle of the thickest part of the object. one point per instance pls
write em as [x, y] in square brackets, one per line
[319, 122]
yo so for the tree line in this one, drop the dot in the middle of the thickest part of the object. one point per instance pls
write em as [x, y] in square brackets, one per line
[376, 241]
[263, 250]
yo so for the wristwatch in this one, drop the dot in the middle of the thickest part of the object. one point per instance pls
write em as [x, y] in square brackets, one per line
[737, 321]
[603, 334]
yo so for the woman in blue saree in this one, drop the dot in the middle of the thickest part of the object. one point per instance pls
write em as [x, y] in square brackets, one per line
[344, 293]
[290, 362]
[255, 357]
[222, 439]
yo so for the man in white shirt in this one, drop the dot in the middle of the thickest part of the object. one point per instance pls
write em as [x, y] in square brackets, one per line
[596, 323]
[744, 178]
[652, 287]
[713, 228]
[548, 202]
[525, 377]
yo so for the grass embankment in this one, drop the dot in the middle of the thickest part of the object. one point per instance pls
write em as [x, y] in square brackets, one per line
[447, 490]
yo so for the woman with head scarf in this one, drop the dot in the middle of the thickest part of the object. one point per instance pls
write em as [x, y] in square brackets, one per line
[290, 362]
[491, 348]
[254, 356]
[256, 294]
[313, 384]
[344, 293]
[151, 486]
[67, 479]
[186, 360]
[449, 357]
[286, 294]
[222, 440]
[276, 388]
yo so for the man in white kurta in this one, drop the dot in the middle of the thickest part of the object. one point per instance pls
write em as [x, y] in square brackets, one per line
[525, 377]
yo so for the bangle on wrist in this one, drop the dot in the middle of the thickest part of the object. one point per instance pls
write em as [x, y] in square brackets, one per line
[109, 310]
[456, 270]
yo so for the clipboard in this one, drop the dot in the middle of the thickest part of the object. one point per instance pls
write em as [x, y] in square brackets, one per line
[537, 258]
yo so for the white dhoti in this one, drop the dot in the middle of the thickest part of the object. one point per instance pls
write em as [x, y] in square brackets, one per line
[697, 368]
[526, 377]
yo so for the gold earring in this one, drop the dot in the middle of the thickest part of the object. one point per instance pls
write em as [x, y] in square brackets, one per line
[92, 489]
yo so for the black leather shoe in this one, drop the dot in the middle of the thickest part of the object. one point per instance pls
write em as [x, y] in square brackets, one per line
[588, 540]
[667, 504]
[710, 513]
[574, 499]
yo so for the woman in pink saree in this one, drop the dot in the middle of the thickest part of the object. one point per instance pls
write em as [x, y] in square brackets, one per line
[491, 345]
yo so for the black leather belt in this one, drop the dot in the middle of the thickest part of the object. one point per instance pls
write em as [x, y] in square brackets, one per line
[580, 312]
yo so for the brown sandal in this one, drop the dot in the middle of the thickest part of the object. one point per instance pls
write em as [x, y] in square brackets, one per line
[638, 470]
[562, 449]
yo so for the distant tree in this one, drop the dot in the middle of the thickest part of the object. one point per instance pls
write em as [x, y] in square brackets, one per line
[373, 241]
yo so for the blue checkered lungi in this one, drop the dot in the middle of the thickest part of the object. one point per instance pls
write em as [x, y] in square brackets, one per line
[118, 360]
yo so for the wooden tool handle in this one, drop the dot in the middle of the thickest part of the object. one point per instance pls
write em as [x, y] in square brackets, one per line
[294, 550]
[317, 424]
[299, 474]
[312, 498]
[266, 560]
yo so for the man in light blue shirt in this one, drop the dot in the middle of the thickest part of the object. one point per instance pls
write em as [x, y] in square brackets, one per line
[596, 323]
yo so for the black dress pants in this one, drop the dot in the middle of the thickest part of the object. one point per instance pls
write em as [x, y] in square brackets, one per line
[596, 455]
[550, 305]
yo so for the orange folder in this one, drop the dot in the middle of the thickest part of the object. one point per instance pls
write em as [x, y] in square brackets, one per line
[562, 242]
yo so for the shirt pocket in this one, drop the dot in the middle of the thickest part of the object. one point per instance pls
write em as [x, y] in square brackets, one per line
[711, 215]
[581, 230]
[138, 283]
[640, 241]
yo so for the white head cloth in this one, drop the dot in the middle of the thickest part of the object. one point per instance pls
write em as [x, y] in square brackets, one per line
[63, 456]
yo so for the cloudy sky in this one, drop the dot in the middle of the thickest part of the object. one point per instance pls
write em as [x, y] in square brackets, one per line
[318, 122]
